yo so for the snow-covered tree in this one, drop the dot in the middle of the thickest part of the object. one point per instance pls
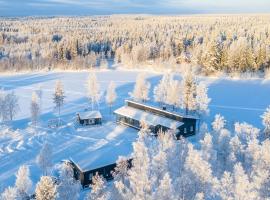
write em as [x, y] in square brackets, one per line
[141, 89]
[174, 97]
[98, 189]
[202, 98]
[111, 95]
[12, 105]
[3, 107]
[266, 121]
[10, 193]
[44, 159]
[160, 90]
[35, 109]
[39, 93]
[189, 92]
[58, 96]
[93, 88]
[68, 187]
[23, 182]
[46, 189]
[219, 123]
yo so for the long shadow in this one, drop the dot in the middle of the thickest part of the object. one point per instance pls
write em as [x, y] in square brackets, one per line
[10, 83]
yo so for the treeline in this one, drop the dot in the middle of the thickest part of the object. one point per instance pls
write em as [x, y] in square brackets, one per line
[228, 43]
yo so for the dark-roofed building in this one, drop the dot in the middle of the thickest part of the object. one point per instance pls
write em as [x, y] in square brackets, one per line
[89, 118]
[157, 119]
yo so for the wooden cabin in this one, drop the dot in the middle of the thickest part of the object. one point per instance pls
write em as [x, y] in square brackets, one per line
[157, 119]
[89, 118]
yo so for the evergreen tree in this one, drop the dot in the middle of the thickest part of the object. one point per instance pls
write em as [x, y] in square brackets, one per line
[111, 95]
[58, 97]
[45, 189]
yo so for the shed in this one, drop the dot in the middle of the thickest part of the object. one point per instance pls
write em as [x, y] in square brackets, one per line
[89, 118]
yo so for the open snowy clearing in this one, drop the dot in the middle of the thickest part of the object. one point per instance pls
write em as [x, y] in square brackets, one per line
[237, 100]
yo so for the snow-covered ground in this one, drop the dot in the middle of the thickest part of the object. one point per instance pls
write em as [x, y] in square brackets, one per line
[237, 100]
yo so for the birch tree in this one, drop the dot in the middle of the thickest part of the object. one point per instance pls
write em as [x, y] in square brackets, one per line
[12, 105]
[111, 95]
[35, 109]
[44, 159]
[93, 88]
[23, 182]
[58, 97]
[141, 89]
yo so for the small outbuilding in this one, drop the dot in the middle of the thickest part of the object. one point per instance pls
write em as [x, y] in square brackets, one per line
[89, 118]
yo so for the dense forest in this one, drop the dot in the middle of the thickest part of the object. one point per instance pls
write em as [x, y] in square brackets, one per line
[212, 43]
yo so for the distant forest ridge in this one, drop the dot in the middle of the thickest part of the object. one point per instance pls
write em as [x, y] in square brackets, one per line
[212, 43]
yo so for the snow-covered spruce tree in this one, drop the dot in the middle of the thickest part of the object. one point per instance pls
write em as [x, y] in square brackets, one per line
[58, 97]
[160, 90]
[35, 109]
[45, 189]
[98, 189]
[12, 105]
[68, 188]
[23, 182]
[189, 92]
[141, 89]
[111, 95]
[266, 121]
[93, 88]
[219, 123]
[10, 193]
[44, 159]
[202, 99]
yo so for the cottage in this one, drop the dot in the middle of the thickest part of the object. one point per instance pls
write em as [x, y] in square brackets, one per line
[89, 118]
[157, 119]
[101, 156]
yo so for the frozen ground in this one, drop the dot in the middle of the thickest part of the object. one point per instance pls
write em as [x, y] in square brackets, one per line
[237, 100]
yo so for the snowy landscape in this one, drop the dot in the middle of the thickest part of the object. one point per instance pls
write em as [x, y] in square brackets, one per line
[128, 106]
[21, 141]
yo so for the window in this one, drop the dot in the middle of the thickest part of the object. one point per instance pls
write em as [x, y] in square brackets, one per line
[185, 130]
[91, 121]
[191, 129]
[90, 176]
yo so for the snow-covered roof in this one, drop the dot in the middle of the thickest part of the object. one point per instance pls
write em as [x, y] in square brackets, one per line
[90, 114]
[164, 111]
[114, 141]
[149, 118]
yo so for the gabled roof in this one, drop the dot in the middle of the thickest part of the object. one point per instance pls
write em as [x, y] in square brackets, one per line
[90, 114]
[148, 117]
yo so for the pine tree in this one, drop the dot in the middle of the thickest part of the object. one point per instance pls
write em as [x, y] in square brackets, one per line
[45, 189]
[111, 95]
[35, 109]
[58, 97]
[189, 92]
[44, 159]
[93, 87]
[23, 182]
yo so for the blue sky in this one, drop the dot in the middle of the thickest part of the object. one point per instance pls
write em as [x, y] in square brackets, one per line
[103, 7]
